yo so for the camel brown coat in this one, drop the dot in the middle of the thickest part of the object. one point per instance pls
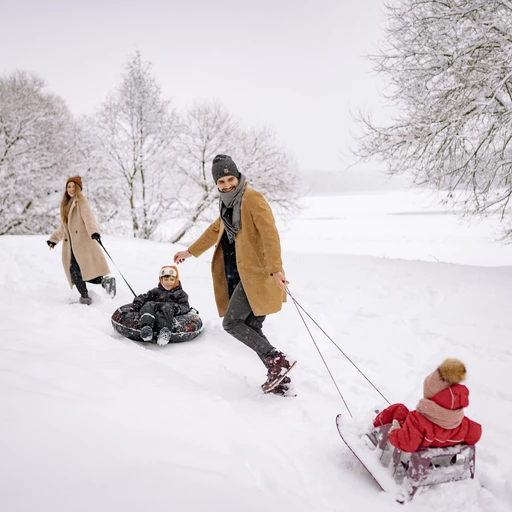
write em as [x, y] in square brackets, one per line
[76, 234]
[258, 256]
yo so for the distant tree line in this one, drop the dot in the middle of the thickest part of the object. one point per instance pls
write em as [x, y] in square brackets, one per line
[146, 167]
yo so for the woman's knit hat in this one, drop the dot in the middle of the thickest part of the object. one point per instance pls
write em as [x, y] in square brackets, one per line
[75, 179]
[223, 165]
[452, 371]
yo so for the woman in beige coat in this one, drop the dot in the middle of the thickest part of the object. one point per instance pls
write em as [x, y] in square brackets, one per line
[82, 257]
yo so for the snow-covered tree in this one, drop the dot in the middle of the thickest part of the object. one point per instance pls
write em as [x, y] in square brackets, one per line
[35, 154]
[136, 131]
[205, 128]
[269, 168]
[449, 67]
[208, 129]
[100, 185]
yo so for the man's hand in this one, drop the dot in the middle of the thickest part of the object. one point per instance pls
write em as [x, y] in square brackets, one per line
[97, 237]
[51, 245]
[281, 280]
[181, 256]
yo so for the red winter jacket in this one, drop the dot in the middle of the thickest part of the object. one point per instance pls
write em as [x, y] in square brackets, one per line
[419, 432]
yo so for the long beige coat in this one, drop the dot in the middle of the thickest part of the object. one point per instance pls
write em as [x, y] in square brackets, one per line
[258, 255]
[77, 235]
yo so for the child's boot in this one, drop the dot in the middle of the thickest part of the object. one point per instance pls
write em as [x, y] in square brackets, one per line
[164, 336]
[146, 333]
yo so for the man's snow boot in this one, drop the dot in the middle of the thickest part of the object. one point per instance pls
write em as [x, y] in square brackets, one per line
[146, 333]
[284, 389]
[278, 366]
[163, 336]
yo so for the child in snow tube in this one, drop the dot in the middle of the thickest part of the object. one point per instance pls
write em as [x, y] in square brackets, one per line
[439, 417]
[161, 315]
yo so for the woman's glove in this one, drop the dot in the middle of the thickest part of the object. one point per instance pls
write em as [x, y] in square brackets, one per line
[96, 236]
[51, 244]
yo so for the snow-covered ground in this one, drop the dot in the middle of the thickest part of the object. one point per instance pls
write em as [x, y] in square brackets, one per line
[93, 422]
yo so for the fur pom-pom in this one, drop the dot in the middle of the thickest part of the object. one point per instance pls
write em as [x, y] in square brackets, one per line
[452, 371]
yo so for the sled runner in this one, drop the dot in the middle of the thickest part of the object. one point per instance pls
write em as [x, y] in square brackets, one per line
[126, 322]
[357, 444]
[401, 473]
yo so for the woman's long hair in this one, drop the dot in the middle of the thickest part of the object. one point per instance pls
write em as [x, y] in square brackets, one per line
[67, 201]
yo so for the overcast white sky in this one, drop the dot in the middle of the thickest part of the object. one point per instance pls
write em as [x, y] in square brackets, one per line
[295, 65]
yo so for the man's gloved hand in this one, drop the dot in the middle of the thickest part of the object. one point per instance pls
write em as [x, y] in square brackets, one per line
[51, 244]
[96, 236]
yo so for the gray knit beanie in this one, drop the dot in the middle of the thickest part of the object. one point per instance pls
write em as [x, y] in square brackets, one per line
[223, 165]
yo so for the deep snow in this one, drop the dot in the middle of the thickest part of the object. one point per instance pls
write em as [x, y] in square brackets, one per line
[90, 421]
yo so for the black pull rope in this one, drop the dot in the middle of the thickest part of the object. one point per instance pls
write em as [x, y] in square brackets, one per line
[297, 305]
[318, 350]
[134, 294]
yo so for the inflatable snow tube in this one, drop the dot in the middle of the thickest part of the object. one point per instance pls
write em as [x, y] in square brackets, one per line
[126, 322]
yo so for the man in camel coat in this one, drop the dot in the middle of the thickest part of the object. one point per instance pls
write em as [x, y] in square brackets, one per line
[248, 277]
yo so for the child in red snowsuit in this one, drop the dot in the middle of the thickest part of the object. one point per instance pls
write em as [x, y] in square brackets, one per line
[439, 417]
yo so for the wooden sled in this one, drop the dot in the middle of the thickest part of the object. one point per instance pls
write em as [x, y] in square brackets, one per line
[428, 466]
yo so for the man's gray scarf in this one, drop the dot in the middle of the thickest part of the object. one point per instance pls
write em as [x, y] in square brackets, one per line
[232, 200]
